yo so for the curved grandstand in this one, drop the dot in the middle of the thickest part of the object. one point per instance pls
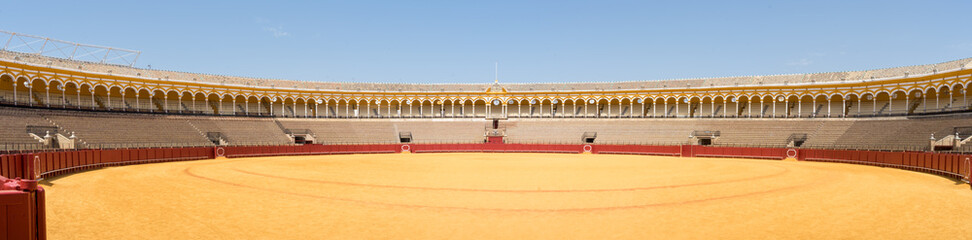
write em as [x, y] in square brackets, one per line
[62, 116]
[826, 110]
[36, 80]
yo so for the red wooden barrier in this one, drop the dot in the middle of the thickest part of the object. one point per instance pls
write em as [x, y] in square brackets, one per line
[22, 209]
[14, 206]
[52, 163]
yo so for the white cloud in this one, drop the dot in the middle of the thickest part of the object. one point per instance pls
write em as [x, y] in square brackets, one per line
[267, 26]
[801, 62]
[277, 31]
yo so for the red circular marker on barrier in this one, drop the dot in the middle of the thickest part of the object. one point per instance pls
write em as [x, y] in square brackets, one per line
[220, 152]
[588, 148]
[791, 153]
[406, 148]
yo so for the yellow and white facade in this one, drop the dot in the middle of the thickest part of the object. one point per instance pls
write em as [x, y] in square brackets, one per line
[34, 83]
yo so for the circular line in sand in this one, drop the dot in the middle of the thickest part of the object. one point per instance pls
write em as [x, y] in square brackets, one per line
[775, 174]
[188, 171]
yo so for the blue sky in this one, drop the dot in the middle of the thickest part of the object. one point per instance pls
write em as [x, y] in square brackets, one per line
[533, 41]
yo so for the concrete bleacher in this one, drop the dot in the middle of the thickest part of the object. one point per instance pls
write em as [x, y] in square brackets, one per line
[900, 133]
[344, 131]
[13, 125]
[658, 131]
[111, 129]
[242, 130]
[646, 131]
[892, 133]
[98, 129]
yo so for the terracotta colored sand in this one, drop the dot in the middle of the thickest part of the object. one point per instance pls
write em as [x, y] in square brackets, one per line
[505, 196]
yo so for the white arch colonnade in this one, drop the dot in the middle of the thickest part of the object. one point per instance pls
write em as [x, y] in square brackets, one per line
[22, 84]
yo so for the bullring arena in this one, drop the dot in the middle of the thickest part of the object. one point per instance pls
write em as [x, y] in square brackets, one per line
[504, 195]
[96, 150]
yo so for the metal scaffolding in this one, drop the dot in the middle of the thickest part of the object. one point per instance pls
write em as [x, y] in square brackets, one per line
[26, 43]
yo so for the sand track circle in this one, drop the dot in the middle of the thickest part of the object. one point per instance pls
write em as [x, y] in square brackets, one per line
[478, 196]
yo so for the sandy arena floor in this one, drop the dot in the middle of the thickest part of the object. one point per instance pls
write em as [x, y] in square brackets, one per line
[505, 196]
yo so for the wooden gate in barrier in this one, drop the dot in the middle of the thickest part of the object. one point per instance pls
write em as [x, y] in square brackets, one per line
[968, 170]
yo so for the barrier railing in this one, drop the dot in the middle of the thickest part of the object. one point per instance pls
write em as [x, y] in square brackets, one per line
[945, 164]
[37, 165]
[19, 171]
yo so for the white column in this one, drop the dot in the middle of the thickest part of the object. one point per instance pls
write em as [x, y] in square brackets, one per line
[563, 107]
[761, 102]
[749, 107]
[813, 110]
[843, 107]
[890, 104]
[108, 96]
[965, 98]
[828, 106]
[774, 108]
[541, 109]
[800, 107]
[677, 109]
[653, 106]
